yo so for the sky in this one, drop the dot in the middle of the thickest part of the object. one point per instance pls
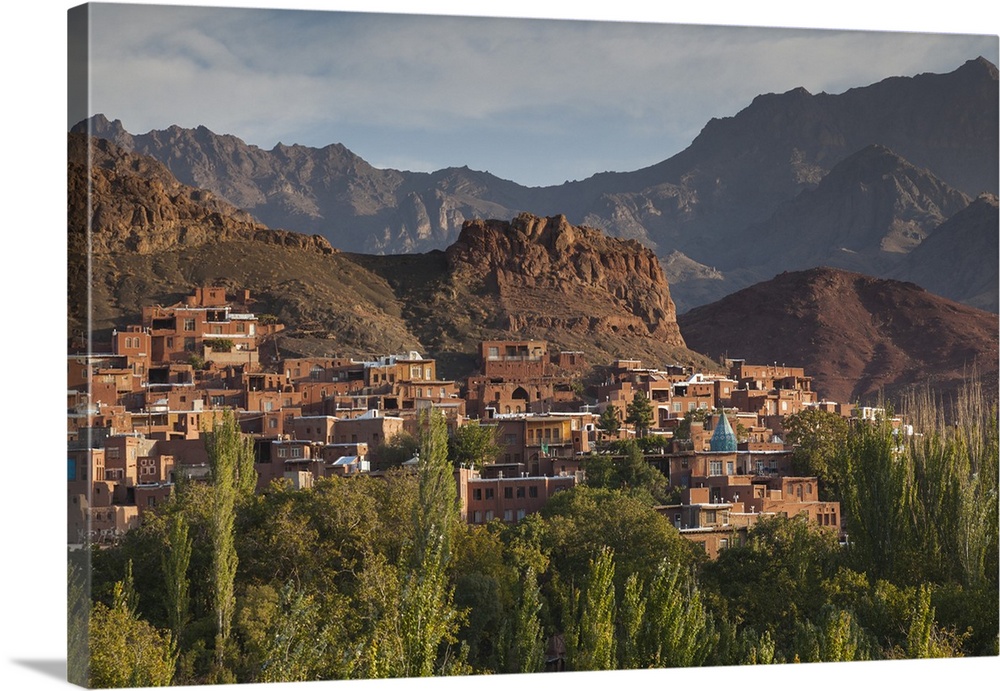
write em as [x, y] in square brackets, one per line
[537, 101]
[33, 184]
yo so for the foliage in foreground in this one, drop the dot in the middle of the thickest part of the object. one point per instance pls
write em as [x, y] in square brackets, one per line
[378, 577]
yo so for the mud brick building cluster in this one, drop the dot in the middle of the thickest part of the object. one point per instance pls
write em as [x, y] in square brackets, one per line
[139, 407]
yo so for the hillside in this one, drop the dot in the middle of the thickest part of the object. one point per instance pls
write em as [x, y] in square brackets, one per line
[856, 335]
[153, 238]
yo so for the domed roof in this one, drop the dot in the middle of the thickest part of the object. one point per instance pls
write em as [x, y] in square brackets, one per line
[723, 438]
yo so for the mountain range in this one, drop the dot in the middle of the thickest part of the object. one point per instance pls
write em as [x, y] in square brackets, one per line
[169, 209]
[887, 163]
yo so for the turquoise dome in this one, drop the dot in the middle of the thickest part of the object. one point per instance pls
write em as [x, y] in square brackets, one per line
[723, 438]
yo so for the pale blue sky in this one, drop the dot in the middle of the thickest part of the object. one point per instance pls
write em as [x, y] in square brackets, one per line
[534, 101]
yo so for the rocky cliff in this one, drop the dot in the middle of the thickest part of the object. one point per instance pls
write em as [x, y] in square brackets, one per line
[606, 284]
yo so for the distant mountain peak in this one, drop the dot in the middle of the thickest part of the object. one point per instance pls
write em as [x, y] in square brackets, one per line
[979, 65]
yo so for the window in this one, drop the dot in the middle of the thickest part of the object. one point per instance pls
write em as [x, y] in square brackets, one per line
[729, 467]
[715, 467]
[272, 423]
[508, 492]
[477, 494]
[489, 515]
[723, 544]
[533, 491]
[189, 343]
[296, 452]
[282, 452]
[477, 517]
[520, 514]
[489, 492]
[508, 515]
[189, 324]
[520, 492]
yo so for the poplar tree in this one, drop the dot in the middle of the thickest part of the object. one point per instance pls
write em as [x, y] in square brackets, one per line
[230, 457]
[678, 632]
[528, 639]
[411, 610]
[596, 647]
[176, 560]
[436, 510]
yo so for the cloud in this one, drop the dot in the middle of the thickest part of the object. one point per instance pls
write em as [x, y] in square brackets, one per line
[322, 77]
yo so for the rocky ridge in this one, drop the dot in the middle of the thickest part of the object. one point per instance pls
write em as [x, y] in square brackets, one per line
[137, 205]
[734, 173]
[960, 259]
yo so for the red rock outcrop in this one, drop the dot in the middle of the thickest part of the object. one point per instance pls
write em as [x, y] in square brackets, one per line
[603, 283]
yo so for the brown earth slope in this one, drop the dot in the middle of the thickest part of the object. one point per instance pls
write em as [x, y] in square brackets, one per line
[856, 335]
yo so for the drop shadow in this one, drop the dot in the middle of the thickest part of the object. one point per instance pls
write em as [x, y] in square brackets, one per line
[50, 668]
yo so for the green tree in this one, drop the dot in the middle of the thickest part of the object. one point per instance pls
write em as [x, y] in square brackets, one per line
[683, 430]
[631, 617]
[876, 499]
[409, 611]
[394, 452]
[176, 559]
[776, 579]
[677, 631]
[837, 637]
[818, 437]
[286, 636]
[639, 414]
[631, 472]
[924, 637]
[77, 619]
[595, 648]
[579, 522]
[230, 457]
[436, 512]
[474, 444]
[609, 423]
[127, 651]
[528, 639]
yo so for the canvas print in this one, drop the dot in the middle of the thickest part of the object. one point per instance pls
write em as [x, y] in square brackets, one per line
[407, 345]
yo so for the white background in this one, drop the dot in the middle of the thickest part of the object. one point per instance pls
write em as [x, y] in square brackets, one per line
[33, 176]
